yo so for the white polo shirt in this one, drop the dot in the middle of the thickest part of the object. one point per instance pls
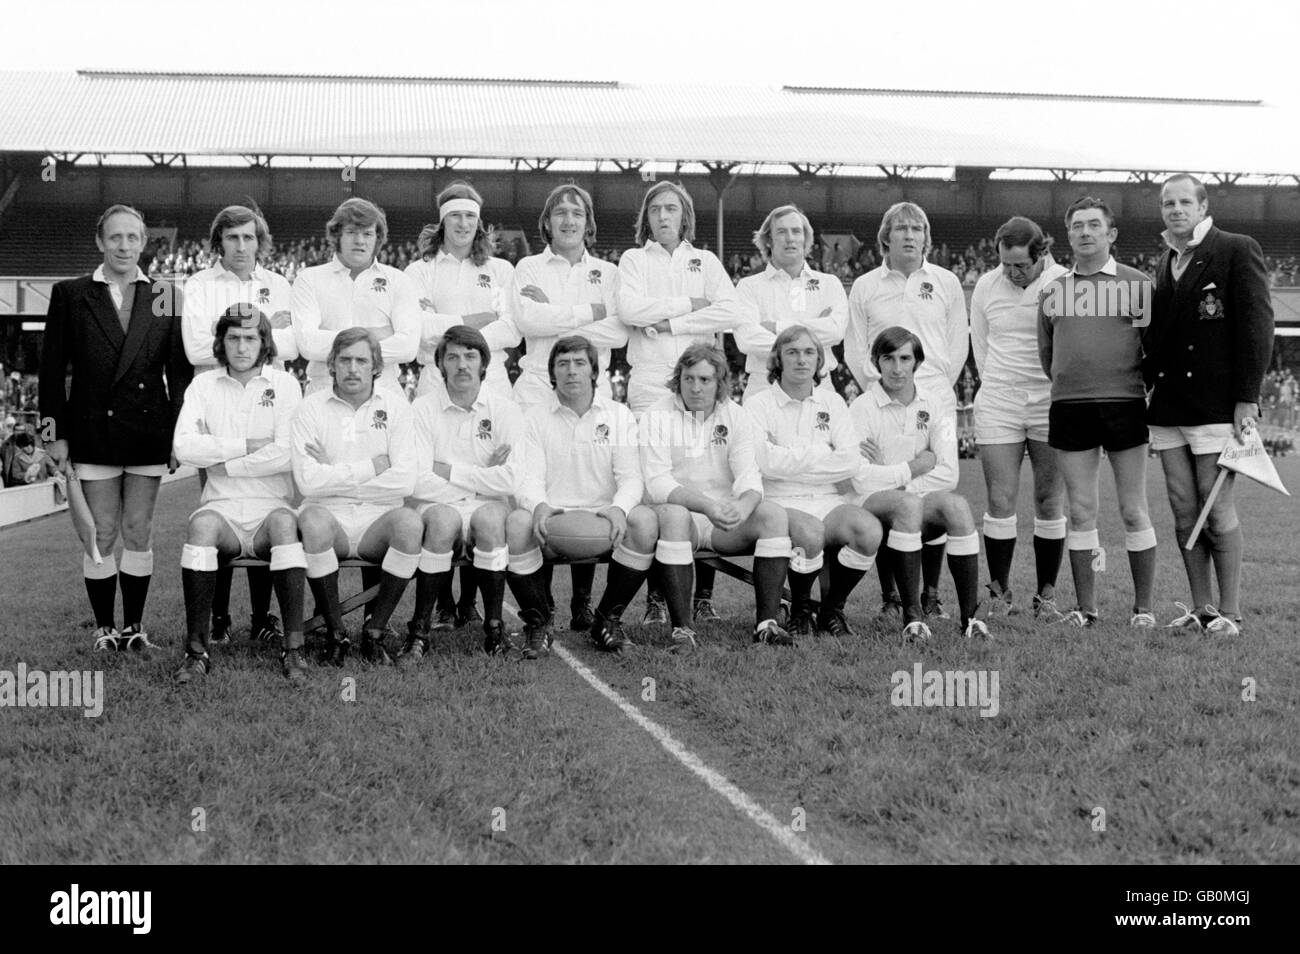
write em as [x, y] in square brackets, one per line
[1004, 329]
[351, 438]
[571, 290]
[217, 419]
[804, 446]
[774, 296]
[326, 300]
[653, 286]
[210, 292]
[711, 454]
[589, 462]
[930, 303]
[901, 432]
[465, 438]
[448, 287]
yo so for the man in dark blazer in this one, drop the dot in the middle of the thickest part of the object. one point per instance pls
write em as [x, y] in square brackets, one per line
[1208, 347]
[117, 337]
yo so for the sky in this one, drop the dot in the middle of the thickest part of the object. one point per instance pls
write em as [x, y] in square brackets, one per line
[1234, 49]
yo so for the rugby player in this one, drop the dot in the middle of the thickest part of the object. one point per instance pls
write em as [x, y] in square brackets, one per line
[1011, 411]
[1090, 325]
[910, 292]
[459, 282]
[701, 472]
[671, 295]
[786, 293]
[565, 291]
[114, 333]
[581, 454]
[806, 447]
[466, 458]
[908, 438]
[353, 452]
[235, 424]
[239, 235]
[355, 290]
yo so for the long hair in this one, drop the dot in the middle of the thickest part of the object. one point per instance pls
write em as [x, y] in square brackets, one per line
[694, 355]
[361, 214]
[234, 317]
[763, 237]
[432, 236]
[774, 364]
[571, 344]
[688, 211]
[577, 194]
[350, 336]
[233, 216]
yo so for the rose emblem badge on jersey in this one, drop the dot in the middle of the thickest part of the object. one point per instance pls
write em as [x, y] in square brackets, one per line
[264, 296]
[922, 420]
[814, 284]
[380, 421]
[268, 398]
[484, 430]
[693, 265]
[593, 277]
[927, 291]
[602, 433]
[823, 421]
[719, 434]
[379, 285]
[484, 280]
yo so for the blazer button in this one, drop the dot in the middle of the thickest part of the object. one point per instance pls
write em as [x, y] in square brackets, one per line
[110, 413]
[1189, 374]
[1160, 375]
[142, 383]
[1189, 348]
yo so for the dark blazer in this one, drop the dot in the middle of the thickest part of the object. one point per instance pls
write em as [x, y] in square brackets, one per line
[1211, 334]
[126, 389]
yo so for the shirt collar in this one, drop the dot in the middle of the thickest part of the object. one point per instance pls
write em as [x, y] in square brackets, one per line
[923, 267]
[882, 399]
[480, 400]
[1198, 233]
[261, 375]
[552, 256]
[784, 400]
[773, 273]
[1108, 269]
[682, 246]
[681, 406]
[338, 265]
[442, 255]
[101, 277]
[375, 395]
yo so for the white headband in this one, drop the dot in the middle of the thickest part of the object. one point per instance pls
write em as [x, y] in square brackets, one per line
[457, 205]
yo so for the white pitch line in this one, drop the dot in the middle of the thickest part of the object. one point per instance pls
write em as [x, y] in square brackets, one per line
[715, 780]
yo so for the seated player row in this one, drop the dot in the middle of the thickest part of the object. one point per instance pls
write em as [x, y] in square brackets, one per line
[796, 474]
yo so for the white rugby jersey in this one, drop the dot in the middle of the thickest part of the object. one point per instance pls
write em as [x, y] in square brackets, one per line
[930, 303]
[449, 287]
[805, 446]
[465, 438]
[571, 290]
[1004, 329]
[901, 432]
[654, 286]
[326, 300]
[220, 416]
[351, 438]
[713, 455]
[210, 292]
[772, 295]
[590, 461]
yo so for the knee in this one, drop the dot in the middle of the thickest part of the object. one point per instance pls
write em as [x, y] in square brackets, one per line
[1223, 516]
[283, 527]
[1002, 502]
[674, 522]
[907, 515]
[1082, 513]
[488, 524]
[136, 531]
[408, 530]
[204, 530]
[868, 534]
[1134, 514]
[957, 517]
[317, 529]
[642, 528]
[519, 530]
[771, 520]
[806, 532]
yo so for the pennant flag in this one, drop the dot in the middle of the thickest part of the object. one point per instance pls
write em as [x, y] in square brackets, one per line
[83, 521]
[1250, 459]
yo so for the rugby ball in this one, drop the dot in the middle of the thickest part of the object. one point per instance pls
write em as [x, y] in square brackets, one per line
[577, 534]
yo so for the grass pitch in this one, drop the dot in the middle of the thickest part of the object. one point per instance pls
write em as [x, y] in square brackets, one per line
[475, 760]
